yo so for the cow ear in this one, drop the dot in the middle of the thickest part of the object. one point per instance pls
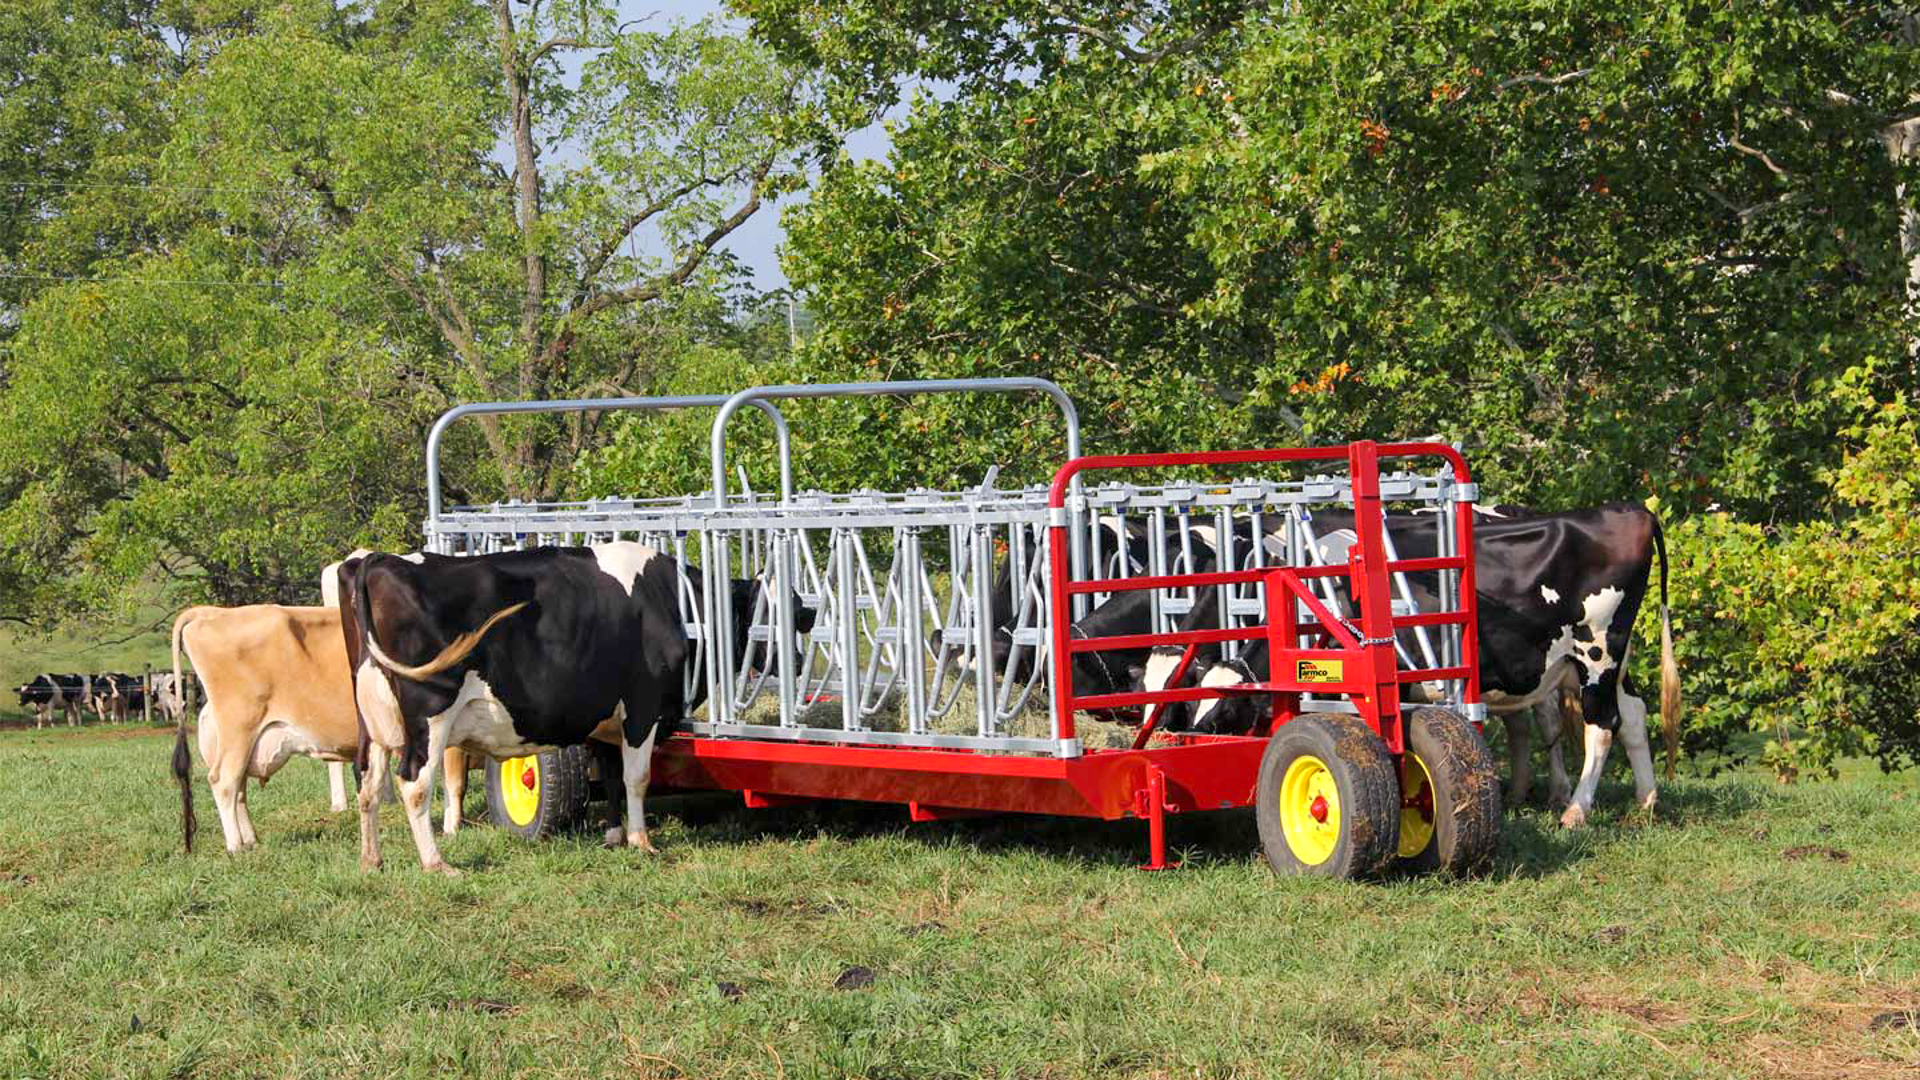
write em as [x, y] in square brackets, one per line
[803, 616]
[1136, 672]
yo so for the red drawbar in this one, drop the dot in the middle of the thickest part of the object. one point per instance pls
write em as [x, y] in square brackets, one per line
[1183, 773]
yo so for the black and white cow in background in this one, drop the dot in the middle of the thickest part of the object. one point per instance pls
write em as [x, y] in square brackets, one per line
[511, 654]
[50, 694]
[117, 695]
[169, 696]
[1559, 594]
[1113, 671]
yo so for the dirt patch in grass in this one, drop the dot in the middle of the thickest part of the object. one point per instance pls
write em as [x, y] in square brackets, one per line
[1815, 851]
[777, 909]
[1831, 1032]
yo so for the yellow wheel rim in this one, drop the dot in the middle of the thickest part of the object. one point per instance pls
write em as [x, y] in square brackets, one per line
[1310, 810]
[1416, 805]
[520, 788]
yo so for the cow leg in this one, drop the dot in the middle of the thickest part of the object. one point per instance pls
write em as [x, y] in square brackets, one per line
[636, 769]
[337, 786]
[606, 759]
[1559, 788]
[1599, 742]
[244, 817]
[227, 776]
[1633, 736]
[221, 777]
[1519, 756]
[416, 797]
[371, 786]
[454, 772]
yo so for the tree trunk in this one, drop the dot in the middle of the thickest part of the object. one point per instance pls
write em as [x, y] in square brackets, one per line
[521, 470]
[1903, 143]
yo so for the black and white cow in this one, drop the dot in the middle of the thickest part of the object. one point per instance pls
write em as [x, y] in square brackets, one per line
[117, 695]
[169, 696]
[510, 654]
[51, 694]
[1558, 594]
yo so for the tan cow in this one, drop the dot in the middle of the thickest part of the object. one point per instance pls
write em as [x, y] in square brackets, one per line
[276, 684]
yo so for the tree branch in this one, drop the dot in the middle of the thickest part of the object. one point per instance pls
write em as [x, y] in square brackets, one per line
[1068, 26]
[233, 399]
[1139, 295]
[1734, 141]
[598, 261]
[654, 289]
[561, 42]
[1545, 80]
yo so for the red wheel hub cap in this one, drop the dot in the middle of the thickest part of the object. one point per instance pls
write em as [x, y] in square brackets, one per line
[527, 778]
[1318, 809]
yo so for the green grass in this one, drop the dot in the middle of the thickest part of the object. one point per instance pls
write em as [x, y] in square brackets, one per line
[1010, 947]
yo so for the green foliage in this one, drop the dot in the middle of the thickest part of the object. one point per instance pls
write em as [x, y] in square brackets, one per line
[223, 439]
[1561, 234]
[81, 85]
[291, 238]
[1807, 631]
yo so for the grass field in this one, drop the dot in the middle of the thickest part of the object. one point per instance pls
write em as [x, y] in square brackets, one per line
[1749, 930]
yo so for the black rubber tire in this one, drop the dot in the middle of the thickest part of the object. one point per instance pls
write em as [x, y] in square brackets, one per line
[563, 793]
[1365, 783]
[1466, 792]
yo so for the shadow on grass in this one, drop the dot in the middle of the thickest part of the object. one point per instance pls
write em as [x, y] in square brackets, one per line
[721, 819]
[1533, 843]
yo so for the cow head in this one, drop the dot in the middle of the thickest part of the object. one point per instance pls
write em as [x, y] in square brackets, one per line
[750, 595]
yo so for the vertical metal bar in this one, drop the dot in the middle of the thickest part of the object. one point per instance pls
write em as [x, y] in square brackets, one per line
[1082, 603]
[784, 645]
[713, 590]
[981, 573]
[847, 598]
[1372, 599]
[1061, 677]
[912, 625]
[1224, 560]
[1157, 566]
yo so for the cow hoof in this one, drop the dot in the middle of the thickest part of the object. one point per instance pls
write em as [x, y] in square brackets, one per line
[1648, 802]
[441, 868]
[639, 840]
[369, 865]
[1574, 817]
[615, 837]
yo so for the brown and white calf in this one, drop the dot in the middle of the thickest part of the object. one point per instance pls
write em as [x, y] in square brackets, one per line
[276, 684]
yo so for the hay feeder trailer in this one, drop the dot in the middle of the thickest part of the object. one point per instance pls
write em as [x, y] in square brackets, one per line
[914, 647]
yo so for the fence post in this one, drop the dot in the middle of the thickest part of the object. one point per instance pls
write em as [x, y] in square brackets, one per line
[146, 697]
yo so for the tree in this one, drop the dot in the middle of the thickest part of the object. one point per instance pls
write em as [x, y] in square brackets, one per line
[1613, 251]
[80, 85]
[226, 439]
[381, 134]
[316, 245]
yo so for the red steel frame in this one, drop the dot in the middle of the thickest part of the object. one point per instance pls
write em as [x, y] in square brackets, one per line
[1185, 773]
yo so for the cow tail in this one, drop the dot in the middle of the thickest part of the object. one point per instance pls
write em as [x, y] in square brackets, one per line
[1670, 703]
[182, 754]
[455, 651]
